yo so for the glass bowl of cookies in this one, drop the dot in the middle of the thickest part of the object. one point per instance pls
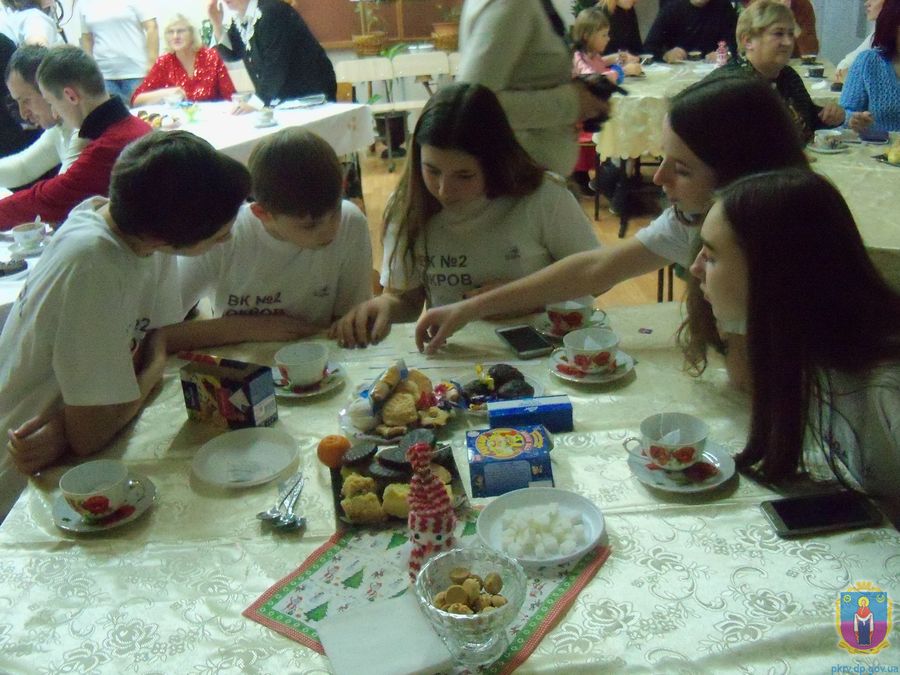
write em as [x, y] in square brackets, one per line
[471, 596]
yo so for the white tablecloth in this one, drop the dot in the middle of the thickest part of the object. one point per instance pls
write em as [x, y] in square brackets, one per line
[635, 125]
[348, 127]
[695, 584]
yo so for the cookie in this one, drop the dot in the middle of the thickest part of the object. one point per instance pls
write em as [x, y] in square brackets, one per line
[515, 389]
[359, 453]
[433, 418]
[408, 387]
[385, 472]
[388, 431]
[395, 458]
[421, 380]
[399, 409]
[503, 373]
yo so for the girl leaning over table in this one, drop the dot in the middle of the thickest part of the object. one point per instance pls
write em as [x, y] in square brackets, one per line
[822, 330]
[715, 132]
[472, 211]
[189, 71]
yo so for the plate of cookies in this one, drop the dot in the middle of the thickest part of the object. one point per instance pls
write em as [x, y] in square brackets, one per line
[371, 483]
[399, 400]
[499, 382]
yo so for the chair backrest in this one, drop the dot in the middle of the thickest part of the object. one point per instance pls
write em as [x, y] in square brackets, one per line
[453, 58]
[431, 64]
[358, 71]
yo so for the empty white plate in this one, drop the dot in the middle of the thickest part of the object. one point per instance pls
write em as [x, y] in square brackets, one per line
[244, 457]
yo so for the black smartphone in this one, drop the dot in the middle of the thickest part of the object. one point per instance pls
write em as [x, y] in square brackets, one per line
[527, 342]
[825, 512]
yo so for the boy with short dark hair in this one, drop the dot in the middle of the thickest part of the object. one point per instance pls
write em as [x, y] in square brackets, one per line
[299, 256]
[79, 354]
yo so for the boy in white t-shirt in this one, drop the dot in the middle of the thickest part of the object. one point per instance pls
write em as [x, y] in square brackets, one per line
[79, 354]
[298, 252]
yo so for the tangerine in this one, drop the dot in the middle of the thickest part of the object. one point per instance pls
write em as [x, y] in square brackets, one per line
[331, 450]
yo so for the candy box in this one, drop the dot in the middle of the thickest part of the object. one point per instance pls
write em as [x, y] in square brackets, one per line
[506, 458]
[229, 393]
[554, 412]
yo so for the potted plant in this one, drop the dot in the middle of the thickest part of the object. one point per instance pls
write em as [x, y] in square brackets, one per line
[370, 41]
[446, 31]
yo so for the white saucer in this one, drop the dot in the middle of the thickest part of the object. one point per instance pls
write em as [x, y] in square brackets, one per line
[265, 125]
[545, 327]
[334, 378]
[675, 481]
[624, 361]
[245, 457]
[17, 251]
[490, 526]
[140, 497]
[827, 151]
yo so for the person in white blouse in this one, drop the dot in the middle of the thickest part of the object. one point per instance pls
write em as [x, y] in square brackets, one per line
[873, 9]
[30, 22]
[59, 145]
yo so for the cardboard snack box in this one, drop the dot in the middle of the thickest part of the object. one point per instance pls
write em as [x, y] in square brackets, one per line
[228, 393]
[509, 458]
[554, 412]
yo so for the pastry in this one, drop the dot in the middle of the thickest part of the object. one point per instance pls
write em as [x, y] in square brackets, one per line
[384, 385]
[364, 508]
[433, 417]
[389, 431]
[394, 501]
[408, 387]
[399, 409]
[12, 267]
[354, 485]
[421, 380]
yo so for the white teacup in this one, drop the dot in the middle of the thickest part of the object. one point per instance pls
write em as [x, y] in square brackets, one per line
[28, 235]
[592, 350]
[672, 441]
[239, 98]
[266, 116]
[570, 315]
[97, 489]
[303, 363]
[829, 139]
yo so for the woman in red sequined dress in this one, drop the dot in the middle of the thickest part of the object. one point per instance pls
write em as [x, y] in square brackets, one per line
[188, 71]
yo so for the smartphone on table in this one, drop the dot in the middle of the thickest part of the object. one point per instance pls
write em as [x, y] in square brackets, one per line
[824, 512]
[526, 341]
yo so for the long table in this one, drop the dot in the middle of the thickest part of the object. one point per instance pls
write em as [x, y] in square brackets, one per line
[348, 127]
[695, 583]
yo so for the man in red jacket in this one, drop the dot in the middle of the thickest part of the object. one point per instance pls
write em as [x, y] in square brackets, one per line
[71, 83]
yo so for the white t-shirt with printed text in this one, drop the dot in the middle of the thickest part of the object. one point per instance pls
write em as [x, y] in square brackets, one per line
[254, 273]
[71, 333]
[120, 44]
[489, 240]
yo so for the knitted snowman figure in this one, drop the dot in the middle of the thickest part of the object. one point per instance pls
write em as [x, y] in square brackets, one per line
[431, 518]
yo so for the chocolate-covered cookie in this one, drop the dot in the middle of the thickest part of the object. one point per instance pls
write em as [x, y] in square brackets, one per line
[515, 389]
[389, 473]
[476, 391]
[12, 267]
[503, 373]
[395, 458]
[416, 436]
[359, 453]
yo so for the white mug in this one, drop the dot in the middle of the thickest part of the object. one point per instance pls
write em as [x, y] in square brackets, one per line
[302, 364]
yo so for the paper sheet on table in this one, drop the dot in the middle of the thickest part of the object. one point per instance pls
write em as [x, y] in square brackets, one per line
[375, 639]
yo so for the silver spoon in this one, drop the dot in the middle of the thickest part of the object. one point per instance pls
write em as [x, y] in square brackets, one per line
[288, 521]
[277, 511]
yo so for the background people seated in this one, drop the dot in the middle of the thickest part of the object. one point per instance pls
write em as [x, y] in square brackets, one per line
[58, 146]
[188, 71]
[873, 7]
[282, 56]
[73, 86]
[684, 26]
[123, 37]
[765, 34]
[872, 91]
